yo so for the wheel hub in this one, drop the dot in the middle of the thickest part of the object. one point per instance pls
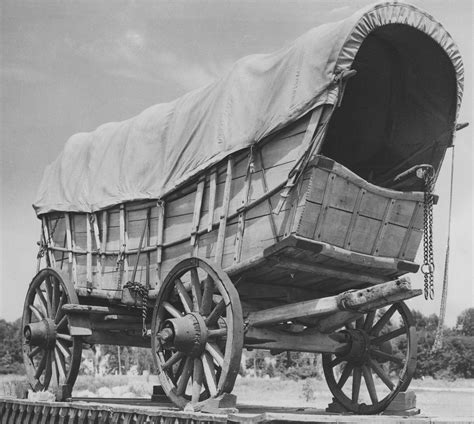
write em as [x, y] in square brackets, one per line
[359, 350]
[187, 334]
[41, 333]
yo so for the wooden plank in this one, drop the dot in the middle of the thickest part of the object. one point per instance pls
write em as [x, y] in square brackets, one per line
[121, 256]
[89, 252]
[159, 238]
[68, 238]
[355, 214]
[324, 206]
[212, 199]
[197, 211]
[383, 227]
[224, 213]
[98, 243]
[49, 256]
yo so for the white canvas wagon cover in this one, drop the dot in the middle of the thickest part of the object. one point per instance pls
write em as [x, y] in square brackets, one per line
[149, 155]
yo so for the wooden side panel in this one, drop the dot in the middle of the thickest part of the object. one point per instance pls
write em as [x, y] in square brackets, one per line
[347, 212]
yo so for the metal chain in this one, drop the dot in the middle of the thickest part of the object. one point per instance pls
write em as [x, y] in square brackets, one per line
[141, 291]
[428, 258]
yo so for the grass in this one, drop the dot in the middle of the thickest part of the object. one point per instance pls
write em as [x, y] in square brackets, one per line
[434, 397]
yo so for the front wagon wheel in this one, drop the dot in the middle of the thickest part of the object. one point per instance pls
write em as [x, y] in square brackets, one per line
[379, 364]
[197, 332]
[51, 355]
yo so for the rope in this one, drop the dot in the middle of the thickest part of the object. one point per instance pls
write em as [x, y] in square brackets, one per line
[438, 343]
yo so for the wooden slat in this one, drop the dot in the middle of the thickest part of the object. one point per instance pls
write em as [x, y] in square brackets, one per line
[212, 199]
[324, 205]
[68, 237]
[48, 243]
[98, 243]
[269, 200]
[355, 214]
[224, 213]
[147, 244]
[382, 228]
[241, 218]
[197, 211]
[409, 231]
[89, 251]
[159, 238]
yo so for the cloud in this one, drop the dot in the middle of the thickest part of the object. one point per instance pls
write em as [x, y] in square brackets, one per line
[24, 73]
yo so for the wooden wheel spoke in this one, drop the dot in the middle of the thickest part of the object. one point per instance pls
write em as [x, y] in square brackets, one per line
[64, 350]
[388, 336]
[59, 312]
[36, 312]
[172, 310]
[184, 296]
[216, 353]
[184, 377]
[66, 337]
[49, 294]
[209, 373]
[55, 301]
[60, 363]
[345, 375]
[369, 381]
[384, 319]
[369, 321]
[359, 323]
[386, 356]
[49, 369]
[175, 357]
[336, 361]
[196, 290]
[198, 377]
[41, 366]
[215, 314]
[34, 352]
[356, 380]
[43, 302]
[208, 290]
[217, 333]
[381, 373]
[62, 322]
[179, 370]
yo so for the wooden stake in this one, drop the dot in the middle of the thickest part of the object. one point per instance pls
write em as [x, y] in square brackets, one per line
[98, 244]
[224, 213]
[159, 237]
[212, 199]
[197, 212]
[269, 200]
[69, 247]
[48, 242]
[89, 252]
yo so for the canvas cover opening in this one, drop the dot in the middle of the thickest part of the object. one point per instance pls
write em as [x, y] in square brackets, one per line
[398, 111]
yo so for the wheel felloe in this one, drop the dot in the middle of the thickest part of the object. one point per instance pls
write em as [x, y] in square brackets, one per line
[378, 365]
[197, 332]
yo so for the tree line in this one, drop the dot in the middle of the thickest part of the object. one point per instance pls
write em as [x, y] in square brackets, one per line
[454, 360]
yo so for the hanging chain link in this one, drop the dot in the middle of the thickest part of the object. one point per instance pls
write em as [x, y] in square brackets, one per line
[141, 291]
[428, 258]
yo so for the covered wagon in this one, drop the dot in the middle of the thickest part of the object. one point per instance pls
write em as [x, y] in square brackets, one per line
[277, 208]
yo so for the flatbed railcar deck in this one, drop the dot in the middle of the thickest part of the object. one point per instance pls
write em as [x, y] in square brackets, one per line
[142, 411]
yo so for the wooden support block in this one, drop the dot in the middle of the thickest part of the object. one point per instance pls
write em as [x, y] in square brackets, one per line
[404, 403]
[223, 404]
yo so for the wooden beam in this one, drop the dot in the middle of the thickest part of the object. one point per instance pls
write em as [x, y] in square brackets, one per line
[355, 300]
[320, 270]
[74, 308]
[305, 341]
[224, 213]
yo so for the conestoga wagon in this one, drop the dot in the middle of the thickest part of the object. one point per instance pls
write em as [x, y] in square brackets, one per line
[278, 208]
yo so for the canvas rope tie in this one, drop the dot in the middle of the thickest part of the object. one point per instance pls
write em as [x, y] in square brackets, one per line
[141, 291]
[428, 257]
[43, 245]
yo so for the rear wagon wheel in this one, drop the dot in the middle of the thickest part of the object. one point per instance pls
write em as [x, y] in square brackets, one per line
[51, 355]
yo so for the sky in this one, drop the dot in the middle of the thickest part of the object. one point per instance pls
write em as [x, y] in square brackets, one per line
[69, 66]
